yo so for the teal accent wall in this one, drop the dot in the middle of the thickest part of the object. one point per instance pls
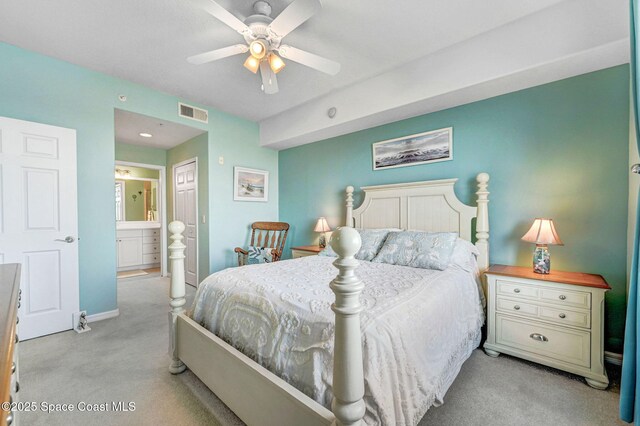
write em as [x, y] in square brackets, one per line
[559, 150]
[141, 154]
[193, 148]
[38, 88]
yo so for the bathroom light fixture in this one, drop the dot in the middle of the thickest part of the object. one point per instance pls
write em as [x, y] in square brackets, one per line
[146, 135]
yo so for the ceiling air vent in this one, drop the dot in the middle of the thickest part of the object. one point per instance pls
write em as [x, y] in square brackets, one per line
[193, 113]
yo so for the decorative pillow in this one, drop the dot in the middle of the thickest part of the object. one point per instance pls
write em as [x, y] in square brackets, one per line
[259, 255]
[328, 251]
[418, 249]
[372, 241]
[464, 255]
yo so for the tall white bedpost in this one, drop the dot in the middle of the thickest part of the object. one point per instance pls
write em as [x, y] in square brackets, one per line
[348, 376]
[177, 291]
[349, 219]
[482, 221]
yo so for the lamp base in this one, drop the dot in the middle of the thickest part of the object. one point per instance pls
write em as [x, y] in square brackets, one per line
[541, 260]
[323, 241]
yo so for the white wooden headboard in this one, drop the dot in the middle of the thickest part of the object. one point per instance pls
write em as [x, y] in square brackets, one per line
[425, 206]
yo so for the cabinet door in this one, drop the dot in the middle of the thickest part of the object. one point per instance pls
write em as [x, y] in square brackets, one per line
[129, 251]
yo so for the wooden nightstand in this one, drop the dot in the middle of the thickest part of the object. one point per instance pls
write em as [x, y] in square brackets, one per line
[555, 319]
[303, 251]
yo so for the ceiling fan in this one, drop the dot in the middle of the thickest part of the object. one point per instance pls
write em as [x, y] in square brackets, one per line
[263, 36]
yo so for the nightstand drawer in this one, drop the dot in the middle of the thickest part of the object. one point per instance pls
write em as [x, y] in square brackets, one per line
[516, 289]
[517, 307]
[562, 344]
[565, 317]
[579, 299]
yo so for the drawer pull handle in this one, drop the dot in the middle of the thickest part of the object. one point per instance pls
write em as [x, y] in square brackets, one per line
[13, 368]
[562, 316]
[17, 386]
[562, 297]
[516, 307]
[539, 337]
[9, 418]
[17, 320]
[516, 290]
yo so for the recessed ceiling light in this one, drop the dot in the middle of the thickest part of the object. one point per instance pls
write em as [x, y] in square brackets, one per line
[146, 135]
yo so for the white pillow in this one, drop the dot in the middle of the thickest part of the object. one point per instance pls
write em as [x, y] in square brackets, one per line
[464, 255]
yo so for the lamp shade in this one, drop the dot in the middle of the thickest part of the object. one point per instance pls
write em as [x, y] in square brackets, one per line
[543, 232]
[322, 225]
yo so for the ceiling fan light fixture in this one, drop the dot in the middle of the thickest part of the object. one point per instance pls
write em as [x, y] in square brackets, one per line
[258, 49]
[276, 63]
[252, 64]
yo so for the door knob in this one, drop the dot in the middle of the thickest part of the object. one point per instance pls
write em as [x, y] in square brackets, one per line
[68, 239]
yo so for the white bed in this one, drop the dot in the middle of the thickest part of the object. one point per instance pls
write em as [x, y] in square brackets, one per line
[398, 357]
[280, 316]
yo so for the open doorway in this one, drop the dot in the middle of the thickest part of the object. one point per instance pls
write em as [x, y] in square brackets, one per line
[159, 168]
[140, 220]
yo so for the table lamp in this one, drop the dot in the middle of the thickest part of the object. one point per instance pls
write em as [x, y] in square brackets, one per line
[542, 233]
[322, 226]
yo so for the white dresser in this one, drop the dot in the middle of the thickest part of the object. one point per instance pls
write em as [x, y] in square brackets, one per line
[138, 248]
[555, 319]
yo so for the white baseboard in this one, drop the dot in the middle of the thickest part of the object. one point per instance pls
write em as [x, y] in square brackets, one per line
[103, 315]
[613, 358]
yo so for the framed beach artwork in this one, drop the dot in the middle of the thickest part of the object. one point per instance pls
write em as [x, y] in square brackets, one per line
[421, 148]
[250, 184]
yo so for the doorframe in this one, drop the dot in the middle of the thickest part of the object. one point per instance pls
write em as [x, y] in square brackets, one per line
[162, 198]
[173, 187]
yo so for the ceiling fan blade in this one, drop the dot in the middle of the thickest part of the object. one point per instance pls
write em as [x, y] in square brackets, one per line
[224, 16]
[269, 81]
[309, 59]
[214, 55]
[294, 15]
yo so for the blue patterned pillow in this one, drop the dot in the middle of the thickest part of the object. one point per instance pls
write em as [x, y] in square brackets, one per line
[259, 255]
[418, 249]
[372, 240]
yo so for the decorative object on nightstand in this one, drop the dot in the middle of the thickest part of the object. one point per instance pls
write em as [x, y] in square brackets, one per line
[555, 319]
[304, 251]
[542, 233]
[322, 226]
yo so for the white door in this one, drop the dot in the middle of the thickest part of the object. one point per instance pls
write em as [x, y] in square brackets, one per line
[39, 223]
[186, 210]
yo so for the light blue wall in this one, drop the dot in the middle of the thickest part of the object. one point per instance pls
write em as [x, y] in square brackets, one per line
[558, 150]
[141, 154]
[37, 88]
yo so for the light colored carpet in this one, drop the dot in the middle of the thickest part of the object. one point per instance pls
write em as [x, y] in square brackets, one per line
[125, 359]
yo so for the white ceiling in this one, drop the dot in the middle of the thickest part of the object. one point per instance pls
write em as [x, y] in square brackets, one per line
[165, 134]
[148, 41]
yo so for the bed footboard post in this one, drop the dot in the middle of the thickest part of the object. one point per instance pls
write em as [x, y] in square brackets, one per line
[348, 375]
[177, 292]
[482, 221]
[349, 219]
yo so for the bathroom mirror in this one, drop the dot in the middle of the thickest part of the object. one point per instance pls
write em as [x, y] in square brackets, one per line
[136, 195]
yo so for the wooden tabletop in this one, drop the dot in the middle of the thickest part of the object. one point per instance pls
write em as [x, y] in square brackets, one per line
[313, 249]
[575, 278]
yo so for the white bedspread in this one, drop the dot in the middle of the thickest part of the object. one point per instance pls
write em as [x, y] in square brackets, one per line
[418, 326]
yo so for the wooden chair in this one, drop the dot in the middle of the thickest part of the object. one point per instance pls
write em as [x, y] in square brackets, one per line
[266, 234]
